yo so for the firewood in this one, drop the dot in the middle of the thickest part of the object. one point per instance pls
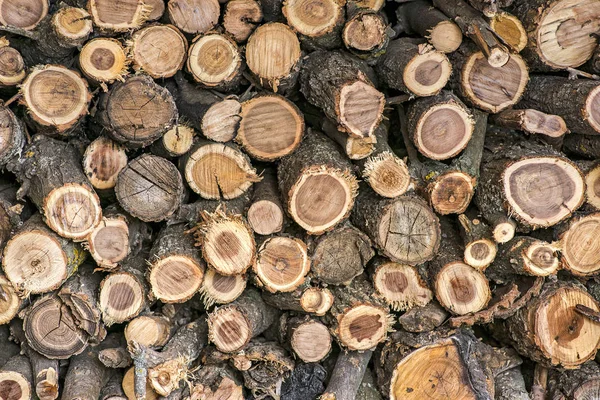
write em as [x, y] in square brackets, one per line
[12, 134]
[347, 375]
[510, 29]
[13, 15]
[531, 121]
[510, 385]
[128, 387]
[281, 264]
[112, 389]
[193, 213]
[175, 142]
[103, 61]
[317, 184]
[318, 23]
[375, 5]
[12, 212]
[423, 319]
[221, 289]
[149, 330]
[365, 33]
[305, 299]
[306, 381]
[11, 302]
[158, 50]
[340, 85]
[240, 18]
[308, 338]
[214, 382]
[266, 215]
[205, 15]
[503, 298]
[108, 16]
[12, 66]
[575, 384]
[102, 162]
[115, 354]
[215, 62]
[420, 17]
[16, 379]
[480, 246]
[10, 349]
[577, 245]
[158, 9]
[221, 120]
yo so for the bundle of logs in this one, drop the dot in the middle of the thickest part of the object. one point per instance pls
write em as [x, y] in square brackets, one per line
[300, 199]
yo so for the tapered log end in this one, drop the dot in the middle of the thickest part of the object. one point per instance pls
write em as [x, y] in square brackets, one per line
[103, 60]
[241, 17]
[148, 330]
[229, 329]
[579, 245]
[214, 60]
[503, 228]
[387, 175]
[401, 286]
[122, 297]
[14, 386]
[206, 15]
[102, 162]
[25, 15]
[311, 341]
[480, 253]
[316, 300]
[462, 289]
[427, 73]
[313, 18]
[221, 289]
[446, 36]
[510, 29]
[109, 16]
[175, 278]
[542, 191]
[360, 108]
[159, 50]
[281, 264]
[363, 326]
[365, 32]
[220, 122]
[72, 23]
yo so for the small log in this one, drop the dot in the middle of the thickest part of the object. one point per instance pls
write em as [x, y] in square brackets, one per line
[110, 17]
[365, 33]
[221, 121]
[440, 126]
[214, 61]
[16, 379]
[401, 286]
[37, 260]
[12, 66]
[480, 246]
[405, 229]
[150, 188]
[568, 99]
[578, 243]
[112, 389]
[176, 268]
[136, 112]
[414, 67]
[423, 319]
[158, 50]
[149, 330]
[102, 162]
[339, 84]
[510, 385]
[12, 135]
[175, 142]
[308, 338]
[205, 15]
[474, 26]
[358, 318]
[429, 22]
[279, 71]
[215, 381]
[12, 212]
[265, 215]
[10, 302]
[192, 213]
[574, 384]
[531, 121]
[221, 289]
[503, 228]
[503, 298]
[271, 127]
[347, 375]
[232, 326]
[241, 17]
[316, 29]
[128, 387]
[317, 184]
[510, 29]
[218, 170]
[14, 16]
[312, 300]
[158, 9]
[340, 255]
[103, 61]
[281, 264]
[115, 354]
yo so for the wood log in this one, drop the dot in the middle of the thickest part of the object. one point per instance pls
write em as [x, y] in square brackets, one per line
[566, 40]
[102, 162]
[423, 319]
[153, 331]
[128, 387]
[192, 213]
[281, 264]
[414, 67]
[215, 381]
[503, 228]
[577, 245]
[221, 120]
[103, 61]
[10, 302]
[12, 212]
[16, 379]
[240, 18]
[150, 188]
[480, 246]
[158, 50]
[531, 121]
[306, 299]
[136, 112]
[305, 381]
[307, 337]
[510, 385]
[510, 30]
[420, 17]
[12, 66]
[218, 170]
[175, 142]
[340, 255]
[405, 229]
[318, 23]
[221, 289]
[340, 84]
[401, 286]
[37, 260]
[576, 101]
[576, 384]
[366, 33]
[158, 9]
[115, 354]
[112, 389]
[231, 327]
[12, 134]
[205, 15]
[176, 268]
[347, 375]
[215, 62]
[317, 184]
[110, 17]
[279, 72]
[265, 215]
[15, 16]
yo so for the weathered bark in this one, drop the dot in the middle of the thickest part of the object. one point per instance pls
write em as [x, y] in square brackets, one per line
[305, 299]
[16, 379]
[306, 381]
[12, 134]
[347, 375]
[423, 319]
[575, 384]
[113, 389]
[510, 385]
[214, 382]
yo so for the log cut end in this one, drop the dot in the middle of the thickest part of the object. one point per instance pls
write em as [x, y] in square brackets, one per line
[281, 264]
[229, 329]
[194, 16]
[214, 60]
[462, 289]
[580, 247]
[10, 302]
[542, 191]
[118, 17]
[12, 66]
[427, 73]
[510, 29]
[363, 326]
[311, 341]
[129, 385]
[265, 217]
[503, 228]
[221, 289]
[316, 300]
[72, 24]
[532, 121]
[216, 171]
[122, 297]
[178, 140]
[158, 9]
[241, 17]
[592, 187]
[270, 70]
[360, 108]
[102, 162]
[159, 50]
[401, 286]
[220, 122]
[313, 18]
[72, 211]
[446, 36]
[15, 386]
[365, 32]
[271, 127]
[480, 253]
[387, 175]
[175, 278]
[103, 60]
[592, 109]
[109, 242]
[148, 330]
[24, 15]
[59, 109]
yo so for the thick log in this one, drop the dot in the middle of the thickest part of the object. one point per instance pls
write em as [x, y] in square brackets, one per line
[158, 50]
[13, 16]
[112, 389]
[578, 242]
[103, 160]
[510, 385]
[103, 61]
[316, 29]
[215, 61]
[205, 15]
[281, 264]
[265, 215]
[308, 338]
[110, 17]
[221, 289]
[241, 17]
[347, 375]
[366, 33]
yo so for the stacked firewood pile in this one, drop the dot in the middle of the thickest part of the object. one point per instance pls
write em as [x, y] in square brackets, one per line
[299, 199]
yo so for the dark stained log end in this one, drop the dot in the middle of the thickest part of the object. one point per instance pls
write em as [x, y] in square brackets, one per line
[229, 329]
[480, 253]
[121, 297]
[428, 72]
[462, 289]
[401, 286]
[363, 326]
[221, 289]
[103, 60]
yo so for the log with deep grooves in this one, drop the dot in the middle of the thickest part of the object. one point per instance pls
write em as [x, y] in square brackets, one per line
[405, 229]
[317, 184]
[266, 215]
[103, 60]
[420, 17]
[175, 142]
[317, 22]
[240, 18]
[232, 326]
[347, 375]
[221, 289]
[307, 337]
[16, 380]
[12, 66]
[12, 135]
[341, 86]
[576, 101]
[281, 264]
[176, 268]
[102, 162]
[112, 17]
[531, 121]
[271, 127]
[194, 16]
[480, 246]
[578, 244]
[137, 111]
[214, 61]
[24, 15]
[158, 50]
[150, 188]
[37, 260]
[365, 33]
[510, 385]
[510, 29]
[112, 389]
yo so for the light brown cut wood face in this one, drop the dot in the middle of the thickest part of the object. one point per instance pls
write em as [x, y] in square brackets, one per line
[282, 263]
[563, 35]
[462, 289]
[271, 127]
[148, 330]
[451, 192]
[592, 108]
[12, 67]
[229, 329]
[214, 59]
[510, 29]
[103, 60]
[434, 372]
[159, 51]
[427, 73]
[175, 279]
[312, 18]
[443, 131]
[72, 23]
[14, 386]
[480, 253]
[118, 16]
[387, 175]
[543, 190]
[265, 217]
[228, 246]
[580, 247]
[24, 14]
[311, 341]
[241, 17]
[221, 121]
[194, 16]
[72, 211]
[178, 140]
[446, 37]
[401, 286]
[592, 187]
[102, 162]
[121, 298]
[359, 108]
[363, 327]
[158, 9]
[564, 336]
[316, 300]
[11, 303]
[109, 242]
[221, 289]
[541, 259]
[365, 32]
